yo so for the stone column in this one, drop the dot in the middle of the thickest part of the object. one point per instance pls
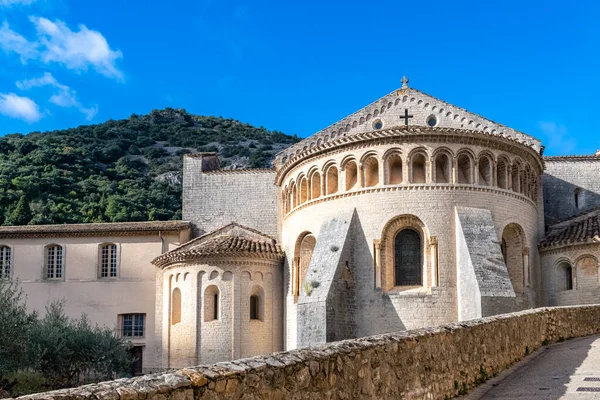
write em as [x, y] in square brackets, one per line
[381, 171]
[433, 247]
[295, 278]
[360, 176]
[454, 178]
[377, 258]
[495, 173]
[525, 266]
[428, 171]
[405, 171]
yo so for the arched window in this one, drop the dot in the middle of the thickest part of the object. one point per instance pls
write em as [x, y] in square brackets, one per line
[315, 185]
[394, 163]
[513, 242]
[293, 196]
[464, 169]
[331, 180]
[108, 260]
[371, 171]
[418, 174]
[502, 174]
[211, 303]
[254, 307]
[515, 178]
[485, 171]
[564, 277]
[176, 306]
[54, 264]
[5, 262]
[351, 174]
[305, 246]
[408, 258]
[257, 304]
[303, 190]
[443, 168]
[522, 181]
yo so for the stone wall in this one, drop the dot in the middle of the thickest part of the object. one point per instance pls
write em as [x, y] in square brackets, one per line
[451, 358]
[583, 259]
[214, 198]
[562, 178]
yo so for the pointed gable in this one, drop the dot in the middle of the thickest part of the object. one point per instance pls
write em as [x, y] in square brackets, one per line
[232, 240]
[406, 107]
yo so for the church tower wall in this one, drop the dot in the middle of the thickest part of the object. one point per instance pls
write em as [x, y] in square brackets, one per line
[571, 186]
[213, 197]
[399, 182]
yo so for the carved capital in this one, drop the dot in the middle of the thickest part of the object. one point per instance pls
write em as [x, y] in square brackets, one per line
[433, 241]
[377, 243]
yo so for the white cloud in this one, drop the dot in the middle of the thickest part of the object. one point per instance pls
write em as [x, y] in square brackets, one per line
[11, 41]
[63, 97]
[557, 137]
[76, 50]
[8, 3]
[56, 43]
[18, 107]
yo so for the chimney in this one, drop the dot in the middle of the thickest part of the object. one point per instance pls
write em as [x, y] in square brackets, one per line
[206, 161]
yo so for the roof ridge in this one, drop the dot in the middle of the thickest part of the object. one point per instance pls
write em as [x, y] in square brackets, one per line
[346, 124]
[575, 216]
[573, 157]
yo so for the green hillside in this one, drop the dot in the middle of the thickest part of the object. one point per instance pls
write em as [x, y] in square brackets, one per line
[126, 170]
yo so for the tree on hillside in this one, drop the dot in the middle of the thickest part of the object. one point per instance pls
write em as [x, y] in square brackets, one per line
[117, 170]
[21, 215]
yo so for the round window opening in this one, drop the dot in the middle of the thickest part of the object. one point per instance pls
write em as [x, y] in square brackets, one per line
[432, 120]
[378, 124]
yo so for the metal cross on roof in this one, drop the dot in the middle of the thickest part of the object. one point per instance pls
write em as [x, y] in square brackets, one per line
[404, 82]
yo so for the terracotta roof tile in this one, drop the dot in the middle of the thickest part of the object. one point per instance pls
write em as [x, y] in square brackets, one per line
[94, 229]
[233, 240]
[584, 228]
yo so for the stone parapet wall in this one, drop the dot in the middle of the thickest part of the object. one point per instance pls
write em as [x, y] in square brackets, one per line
[432, 363]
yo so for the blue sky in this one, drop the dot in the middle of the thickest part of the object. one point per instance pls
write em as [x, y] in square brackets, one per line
[300, 66]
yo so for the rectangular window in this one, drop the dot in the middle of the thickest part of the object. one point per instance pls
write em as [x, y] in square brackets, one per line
[132, 325]
[4, 262]
[54, 262]
[108, 261]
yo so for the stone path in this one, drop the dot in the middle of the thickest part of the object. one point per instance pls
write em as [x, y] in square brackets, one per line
[568, 370]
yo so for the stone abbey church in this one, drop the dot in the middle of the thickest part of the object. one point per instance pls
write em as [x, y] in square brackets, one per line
[408, 213]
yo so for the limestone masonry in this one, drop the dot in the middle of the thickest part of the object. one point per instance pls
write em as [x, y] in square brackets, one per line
[407, 214]
[428, 363]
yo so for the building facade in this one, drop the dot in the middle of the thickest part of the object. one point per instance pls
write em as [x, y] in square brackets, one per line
[408, 213]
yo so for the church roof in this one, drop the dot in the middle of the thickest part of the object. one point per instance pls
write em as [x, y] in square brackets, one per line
[580, 229]
[232, 240]
[94, 229]
[403, 108]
